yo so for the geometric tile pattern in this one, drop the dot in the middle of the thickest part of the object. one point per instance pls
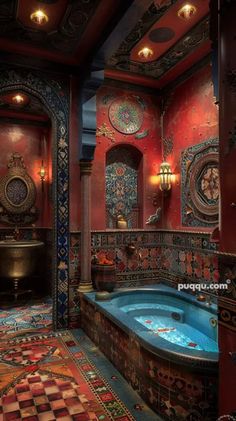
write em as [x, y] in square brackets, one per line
[55, 98]
[173, 255]
[26, 318]
[53, 379]
[200, 184]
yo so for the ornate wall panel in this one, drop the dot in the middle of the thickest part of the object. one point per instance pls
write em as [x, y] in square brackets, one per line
[200, 184]
[121, 190]
[55, 98]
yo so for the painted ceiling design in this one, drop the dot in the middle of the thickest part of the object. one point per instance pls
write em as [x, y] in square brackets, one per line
[176, 45]
[62, 37]
[109, 35]
[157, 68]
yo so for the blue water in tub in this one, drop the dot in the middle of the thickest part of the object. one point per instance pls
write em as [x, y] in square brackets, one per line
[157, 319]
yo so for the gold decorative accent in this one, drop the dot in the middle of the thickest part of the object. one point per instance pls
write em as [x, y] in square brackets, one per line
[85, 287]
[104, 130]
[188, 210]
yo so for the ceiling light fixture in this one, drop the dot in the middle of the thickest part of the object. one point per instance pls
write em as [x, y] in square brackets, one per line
[187, 11]
[18, 99]
[145, 53]
[39, 17]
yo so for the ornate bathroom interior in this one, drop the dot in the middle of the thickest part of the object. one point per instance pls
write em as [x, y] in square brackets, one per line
[117, 210]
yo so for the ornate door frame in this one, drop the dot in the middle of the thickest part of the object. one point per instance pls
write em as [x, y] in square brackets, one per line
[55, 98]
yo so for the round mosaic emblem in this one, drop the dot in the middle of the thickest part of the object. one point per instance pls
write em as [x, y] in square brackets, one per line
[204, 186]
[126, 115]
[16, 191]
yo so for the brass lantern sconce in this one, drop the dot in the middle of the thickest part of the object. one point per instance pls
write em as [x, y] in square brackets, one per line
[42, 172]
[165, 175]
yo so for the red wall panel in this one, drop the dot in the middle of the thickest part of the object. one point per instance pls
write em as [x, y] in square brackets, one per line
[191, 118]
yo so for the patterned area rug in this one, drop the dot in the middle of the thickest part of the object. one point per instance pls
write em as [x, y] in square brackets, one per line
[49, 377]
[26, 318]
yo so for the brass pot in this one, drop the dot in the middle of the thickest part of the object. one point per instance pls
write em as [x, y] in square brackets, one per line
[18, 258]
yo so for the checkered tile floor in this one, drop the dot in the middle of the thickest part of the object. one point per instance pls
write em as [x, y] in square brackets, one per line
[49, 377]
[39, 397]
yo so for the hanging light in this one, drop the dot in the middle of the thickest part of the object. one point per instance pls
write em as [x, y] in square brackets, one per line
[165, 176]
[39, 17]
[187, 11]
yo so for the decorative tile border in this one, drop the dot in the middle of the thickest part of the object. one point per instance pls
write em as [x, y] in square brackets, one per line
[169, 256]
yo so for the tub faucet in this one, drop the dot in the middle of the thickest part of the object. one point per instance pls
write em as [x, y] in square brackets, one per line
[204, 298]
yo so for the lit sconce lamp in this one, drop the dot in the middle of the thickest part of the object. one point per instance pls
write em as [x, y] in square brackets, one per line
[42, 173]
[165, 175]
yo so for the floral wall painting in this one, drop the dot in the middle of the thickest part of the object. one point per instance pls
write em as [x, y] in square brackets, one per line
[200, 184]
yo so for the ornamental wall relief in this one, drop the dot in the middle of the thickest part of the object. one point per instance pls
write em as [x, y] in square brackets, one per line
[200, 184]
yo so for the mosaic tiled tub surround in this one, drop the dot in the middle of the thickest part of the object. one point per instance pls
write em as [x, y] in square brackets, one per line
[178, 378]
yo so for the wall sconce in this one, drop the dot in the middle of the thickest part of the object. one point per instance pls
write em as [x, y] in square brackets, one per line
[165, 176]
[42, 173]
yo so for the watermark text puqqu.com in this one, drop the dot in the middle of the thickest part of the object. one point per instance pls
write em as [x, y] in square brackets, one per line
[211, 286]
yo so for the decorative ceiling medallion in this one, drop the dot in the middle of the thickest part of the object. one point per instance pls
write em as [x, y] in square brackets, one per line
[200, 184]
[163, 34]
[126, 115]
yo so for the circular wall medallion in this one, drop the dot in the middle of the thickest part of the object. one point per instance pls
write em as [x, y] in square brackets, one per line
[126, 115]
[162, 34]
[17, 192]
[204, 185]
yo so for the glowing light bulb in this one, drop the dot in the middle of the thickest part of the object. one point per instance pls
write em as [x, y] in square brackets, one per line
[187, 11]
[18, 99]
[145, 53]
[39, 17]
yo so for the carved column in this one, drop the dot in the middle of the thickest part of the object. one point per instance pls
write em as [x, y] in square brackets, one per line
[85, 176]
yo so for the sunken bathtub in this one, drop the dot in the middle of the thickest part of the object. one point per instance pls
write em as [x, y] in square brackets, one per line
[164, 342]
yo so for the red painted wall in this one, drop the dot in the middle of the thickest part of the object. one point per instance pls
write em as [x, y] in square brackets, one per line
[149, 146]
[27, 140]
[191, 118]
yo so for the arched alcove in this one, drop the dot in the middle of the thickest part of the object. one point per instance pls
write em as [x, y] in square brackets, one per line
[123, 180]
[55, 99]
